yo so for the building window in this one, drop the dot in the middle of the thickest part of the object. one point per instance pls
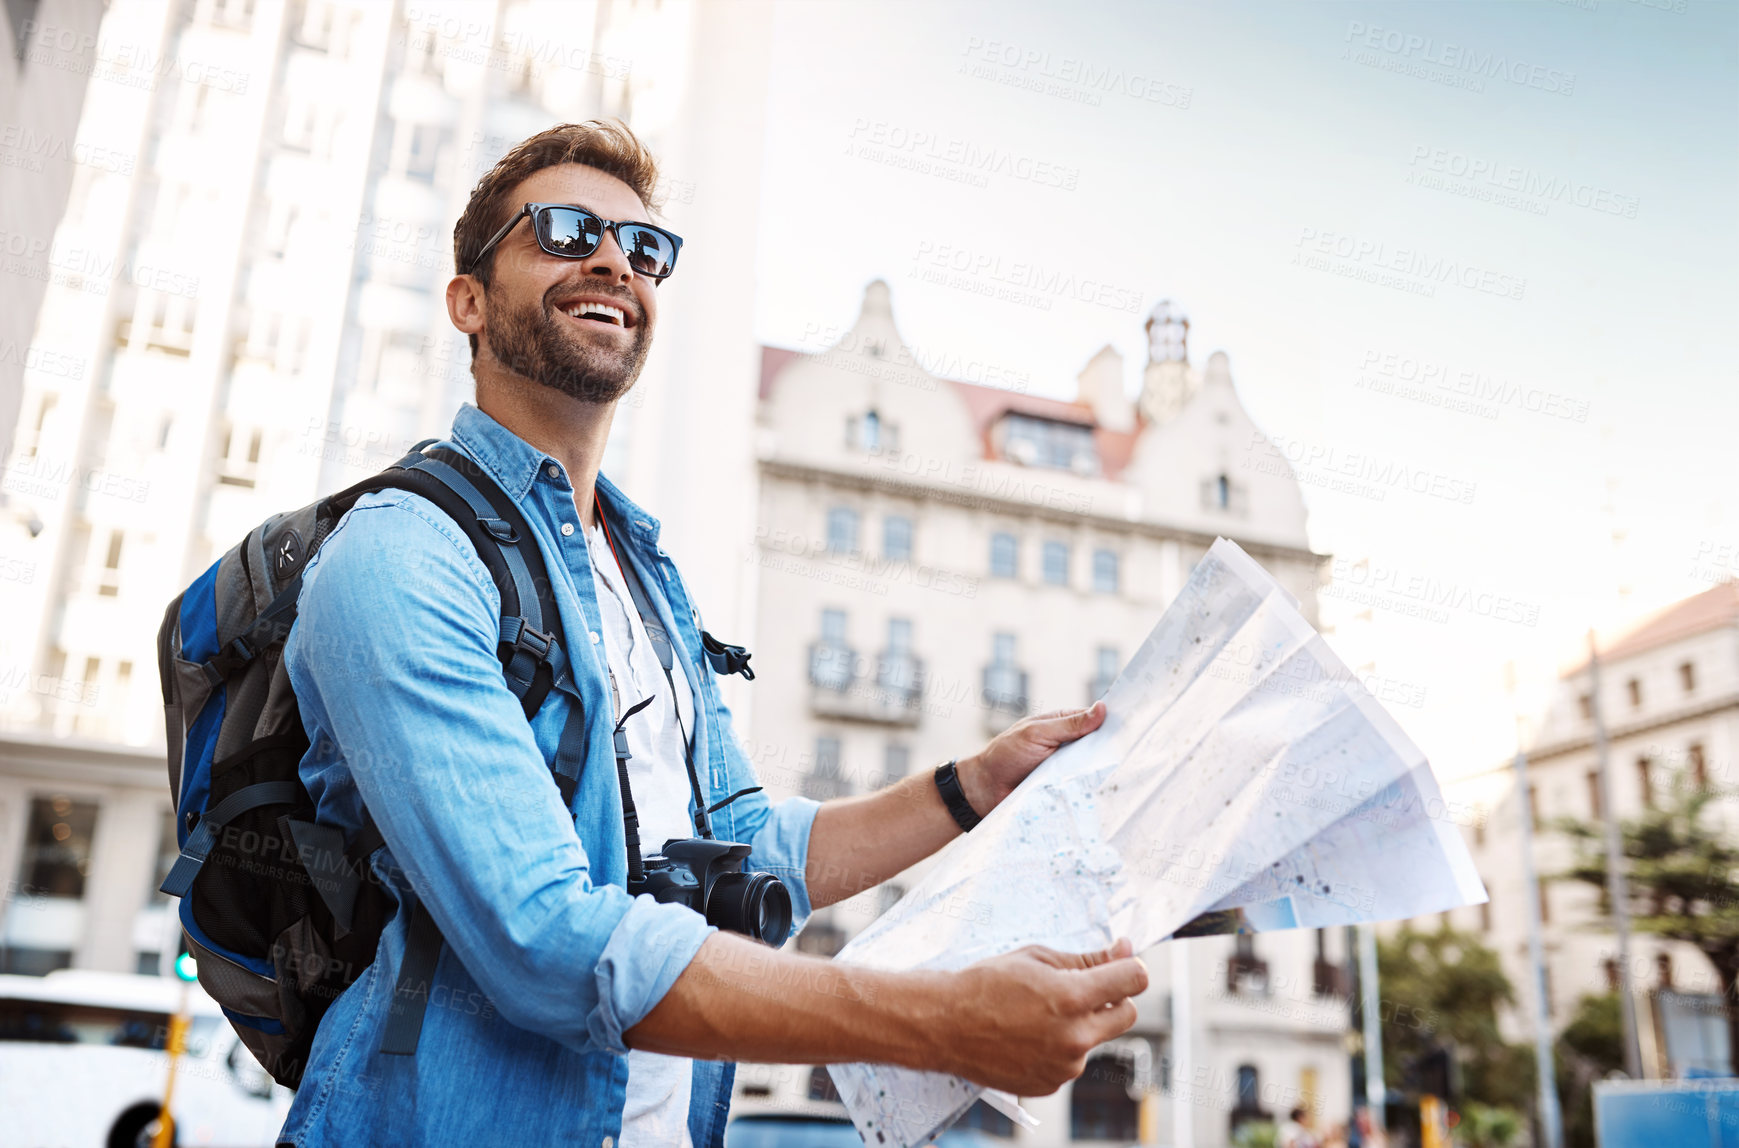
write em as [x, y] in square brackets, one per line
[1105, 666]
[826, 780]
[1663, 967]
[1645, 781]
[1245, 971]
[1585, 704]
[56, 862]
[1534, 807]
[238, 461]
[842, 530]
[1485, 915]
[1699, 766]
[896, 762]
[1634, 686]
[830, 659]
[1105, 572]
[1594, 794]
[1545, 906]
[109, 584]
[872, 433]
[1004, 681]
[1100, 1107]
[1056, 563]
[897, 538]
[1004, 556]
[1688, 677]
[1610, 967]
[1049, 443]
[57, 846]
[898, 671]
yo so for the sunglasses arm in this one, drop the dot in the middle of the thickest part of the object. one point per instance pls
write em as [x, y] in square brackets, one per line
[497, 237]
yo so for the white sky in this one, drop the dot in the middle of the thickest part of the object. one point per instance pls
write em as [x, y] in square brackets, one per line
[1300, 121]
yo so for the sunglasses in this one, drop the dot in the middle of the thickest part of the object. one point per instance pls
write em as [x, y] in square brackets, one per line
[574, 233]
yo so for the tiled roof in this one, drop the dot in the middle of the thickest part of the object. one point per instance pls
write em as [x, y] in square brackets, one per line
[984, 405]
[1714, 608]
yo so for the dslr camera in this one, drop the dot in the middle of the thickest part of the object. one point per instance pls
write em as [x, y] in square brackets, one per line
[708, 877]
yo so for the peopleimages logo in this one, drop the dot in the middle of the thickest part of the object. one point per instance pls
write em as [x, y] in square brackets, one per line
[1421, 266]
[1456, 60]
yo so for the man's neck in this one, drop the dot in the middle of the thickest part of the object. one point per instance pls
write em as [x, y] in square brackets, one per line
[570, 431]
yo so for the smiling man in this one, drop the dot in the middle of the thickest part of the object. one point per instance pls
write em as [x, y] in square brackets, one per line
[561, 1009]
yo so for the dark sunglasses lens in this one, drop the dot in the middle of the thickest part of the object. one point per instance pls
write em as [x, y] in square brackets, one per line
[649, 252]
[568, 231]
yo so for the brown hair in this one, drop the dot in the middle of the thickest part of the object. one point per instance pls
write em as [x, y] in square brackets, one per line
[605, 144]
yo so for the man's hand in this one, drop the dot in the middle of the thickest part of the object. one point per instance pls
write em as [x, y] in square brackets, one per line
[1026, 1021]
[991, 774]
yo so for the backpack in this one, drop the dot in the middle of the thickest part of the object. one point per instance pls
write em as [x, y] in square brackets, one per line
[280, 913]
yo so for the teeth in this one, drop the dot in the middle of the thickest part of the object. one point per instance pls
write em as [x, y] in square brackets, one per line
[614, 314]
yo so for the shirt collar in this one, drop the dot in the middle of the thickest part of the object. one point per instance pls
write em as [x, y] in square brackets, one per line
[515, 464]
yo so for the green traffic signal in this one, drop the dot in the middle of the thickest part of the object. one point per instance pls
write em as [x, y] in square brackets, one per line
[186, 967]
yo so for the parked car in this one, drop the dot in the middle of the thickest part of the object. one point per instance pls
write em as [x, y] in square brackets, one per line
[82, 1063]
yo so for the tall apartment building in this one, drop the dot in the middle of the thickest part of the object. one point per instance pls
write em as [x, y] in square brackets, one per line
[47, 56]
[1669, 695]
[255, 301]
[938, 558]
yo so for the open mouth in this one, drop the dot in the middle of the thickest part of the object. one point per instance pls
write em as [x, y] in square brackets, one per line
[591, 312]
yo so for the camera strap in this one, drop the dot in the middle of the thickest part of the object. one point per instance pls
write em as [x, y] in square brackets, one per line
[662, 645]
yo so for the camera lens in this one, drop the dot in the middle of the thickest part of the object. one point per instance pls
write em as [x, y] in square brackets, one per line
[755, 904]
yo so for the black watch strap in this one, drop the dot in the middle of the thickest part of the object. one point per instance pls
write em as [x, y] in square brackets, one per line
[948, 781]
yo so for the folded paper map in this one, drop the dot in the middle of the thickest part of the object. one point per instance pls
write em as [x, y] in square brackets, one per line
[1243, 780]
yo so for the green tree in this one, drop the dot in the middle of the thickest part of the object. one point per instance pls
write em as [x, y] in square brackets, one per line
[1590, 1047]
[1444, 986]
[1683, 877]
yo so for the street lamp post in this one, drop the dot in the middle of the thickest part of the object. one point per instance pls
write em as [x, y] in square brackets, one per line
[1617, 887]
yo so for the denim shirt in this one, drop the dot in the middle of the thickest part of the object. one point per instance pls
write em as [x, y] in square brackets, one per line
[547, 959]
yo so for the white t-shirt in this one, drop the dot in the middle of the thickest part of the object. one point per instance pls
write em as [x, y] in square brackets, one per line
[659, 1086]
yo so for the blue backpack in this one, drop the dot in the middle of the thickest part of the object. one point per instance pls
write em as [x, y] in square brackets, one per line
[281, 912]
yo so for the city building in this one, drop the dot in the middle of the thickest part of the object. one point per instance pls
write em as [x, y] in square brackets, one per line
[249, 277]
[937, 559]
[1669, 697]
[47, 57]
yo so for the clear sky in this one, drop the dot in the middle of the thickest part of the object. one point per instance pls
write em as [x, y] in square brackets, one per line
[1492, 246]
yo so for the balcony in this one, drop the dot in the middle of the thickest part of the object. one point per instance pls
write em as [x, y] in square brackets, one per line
[1246, 974]
[1328, 979]
[891, 696]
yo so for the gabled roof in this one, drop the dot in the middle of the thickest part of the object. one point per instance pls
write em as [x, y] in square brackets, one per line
[1713, 609]
[984, 405]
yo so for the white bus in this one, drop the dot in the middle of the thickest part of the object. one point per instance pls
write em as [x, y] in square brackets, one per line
[82, 1064]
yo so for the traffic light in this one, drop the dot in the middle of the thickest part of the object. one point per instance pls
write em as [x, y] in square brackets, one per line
[186, 968]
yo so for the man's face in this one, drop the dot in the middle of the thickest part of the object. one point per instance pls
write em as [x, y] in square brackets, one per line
[528, 320]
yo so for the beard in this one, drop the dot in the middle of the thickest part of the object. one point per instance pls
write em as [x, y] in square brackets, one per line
[549, 348]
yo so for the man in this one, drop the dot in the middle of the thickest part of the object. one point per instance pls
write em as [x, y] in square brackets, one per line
[562, 1010]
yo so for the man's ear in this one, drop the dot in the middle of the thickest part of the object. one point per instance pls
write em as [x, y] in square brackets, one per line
[465, 303]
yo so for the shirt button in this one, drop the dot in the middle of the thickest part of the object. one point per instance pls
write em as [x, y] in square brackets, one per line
[554, 471]
[609, 1142]
[594, 634]
[567, 529]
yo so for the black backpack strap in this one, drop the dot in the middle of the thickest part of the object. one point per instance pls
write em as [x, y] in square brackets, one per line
[534, 661]
[204, 835]
[410, 995]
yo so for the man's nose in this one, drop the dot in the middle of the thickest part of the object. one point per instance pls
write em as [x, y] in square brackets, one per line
[610, 259]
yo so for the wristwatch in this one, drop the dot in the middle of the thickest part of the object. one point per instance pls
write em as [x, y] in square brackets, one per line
[948, 781]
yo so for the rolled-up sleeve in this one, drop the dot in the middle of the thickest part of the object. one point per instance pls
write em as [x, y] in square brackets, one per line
[393, 657]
